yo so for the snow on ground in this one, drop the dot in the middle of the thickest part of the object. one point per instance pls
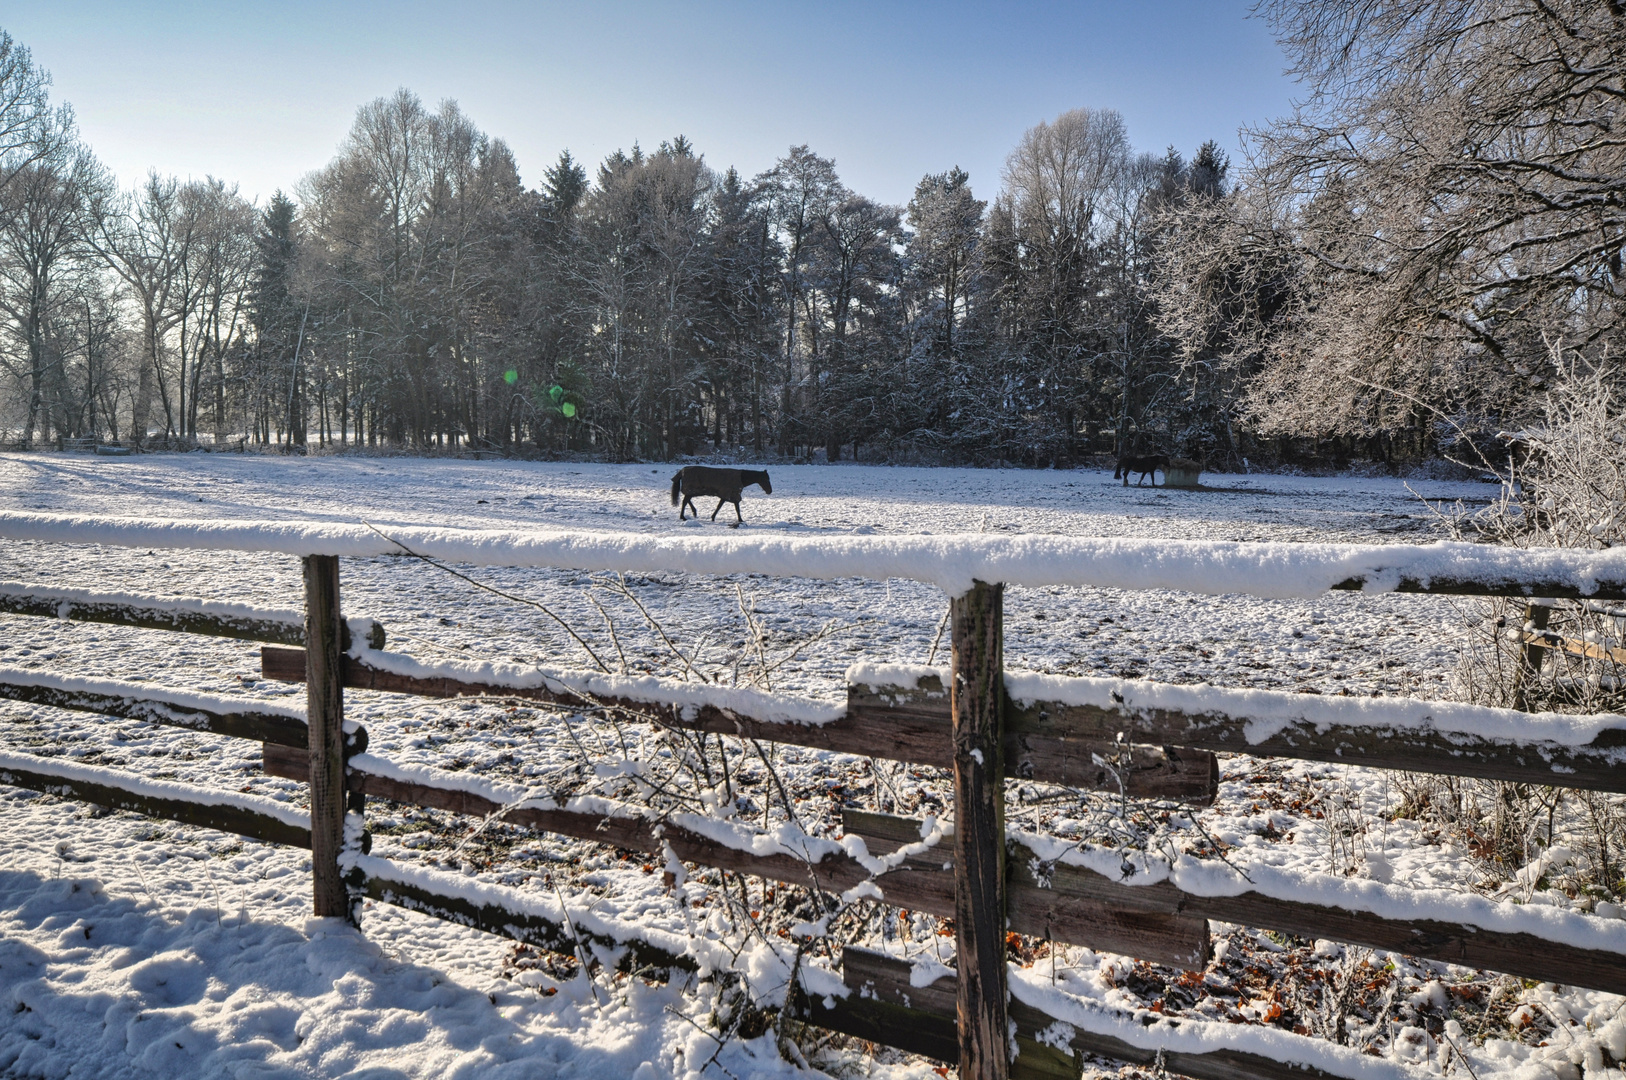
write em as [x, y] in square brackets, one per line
[137, 948]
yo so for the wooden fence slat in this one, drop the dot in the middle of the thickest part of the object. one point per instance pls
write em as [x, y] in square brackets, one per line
[1038, 728]
[887, 723]
[27, 600]
[1596, 767]
[181, 615]
[923, 712]
[1528, 671]
[886, 1007]
[224, 817]
[324, 713]
[919, 884]
[1513, 953]
[1171, 938]
[154, 708]
[1058, 742]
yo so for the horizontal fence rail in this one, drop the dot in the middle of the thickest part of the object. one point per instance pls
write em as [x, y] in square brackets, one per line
[1043, 889]
[246, 815]
[1172, 748]
[1574, 646]
[136, 701]
[953, 561]
[1397, 734]
[887, 1004]
[211, 618]
[870, 728]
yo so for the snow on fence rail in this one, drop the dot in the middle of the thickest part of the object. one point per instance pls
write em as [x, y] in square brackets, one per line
[913, 732]
[272, 724]
[229, 811]
[893, 1002]
[242, 621]
[1056, 728]
[974, 720]
[952, 561]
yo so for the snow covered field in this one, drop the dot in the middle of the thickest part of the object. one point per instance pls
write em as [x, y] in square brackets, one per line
[136, 948]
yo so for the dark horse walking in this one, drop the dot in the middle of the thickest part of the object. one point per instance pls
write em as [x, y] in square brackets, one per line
[724, 485]
[1146, 466]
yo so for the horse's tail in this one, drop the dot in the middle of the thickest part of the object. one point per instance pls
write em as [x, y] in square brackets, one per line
[677, 486]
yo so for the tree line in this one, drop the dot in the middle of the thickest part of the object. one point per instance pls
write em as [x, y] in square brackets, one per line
[1404, 264]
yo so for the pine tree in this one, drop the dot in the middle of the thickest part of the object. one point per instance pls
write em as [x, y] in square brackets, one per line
[279, 320]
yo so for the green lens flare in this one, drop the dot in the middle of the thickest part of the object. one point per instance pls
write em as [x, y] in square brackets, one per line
[556, 392]
[568, 409]
[510, 376]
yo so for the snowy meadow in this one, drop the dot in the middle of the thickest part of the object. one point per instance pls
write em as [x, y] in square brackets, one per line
[133, 948]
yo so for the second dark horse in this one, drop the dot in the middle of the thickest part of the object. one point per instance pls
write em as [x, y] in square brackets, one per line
[724, 485]
[1146, 466]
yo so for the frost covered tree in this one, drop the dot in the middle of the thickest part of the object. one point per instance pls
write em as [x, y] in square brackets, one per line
[943, 251]
[1446, 202]
[44, 252]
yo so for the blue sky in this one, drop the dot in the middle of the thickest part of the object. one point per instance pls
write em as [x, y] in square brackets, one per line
[262, 94]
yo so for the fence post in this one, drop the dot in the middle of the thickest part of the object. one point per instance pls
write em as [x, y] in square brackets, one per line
[324, 697]
[1536, 616]
[977, 698]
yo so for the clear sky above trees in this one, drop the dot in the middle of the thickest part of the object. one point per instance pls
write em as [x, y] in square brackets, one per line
[262, 95]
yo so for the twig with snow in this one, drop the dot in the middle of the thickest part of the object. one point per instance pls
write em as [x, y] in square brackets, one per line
[602, 666]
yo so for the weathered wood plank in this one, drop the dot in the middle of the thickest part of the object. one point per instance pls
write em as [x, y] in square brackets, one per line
[924, 1016]
[1045, 729]
[1602, 589]
[324, 713]
[1037, 909]
[1074, 893]
[530, 928]
[224, 817]
[884, 723]
[977, 702]
[1597, 766]
[183, 615]
[921, 715]
[152, 706]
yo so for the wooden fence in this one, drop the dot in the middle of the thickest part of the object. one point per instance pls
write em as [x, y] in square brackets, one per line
[984, 878]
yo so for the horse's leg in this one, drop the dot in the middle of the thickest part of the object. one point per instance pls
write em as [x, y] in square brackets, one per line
[720, 502]
[738, 520]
